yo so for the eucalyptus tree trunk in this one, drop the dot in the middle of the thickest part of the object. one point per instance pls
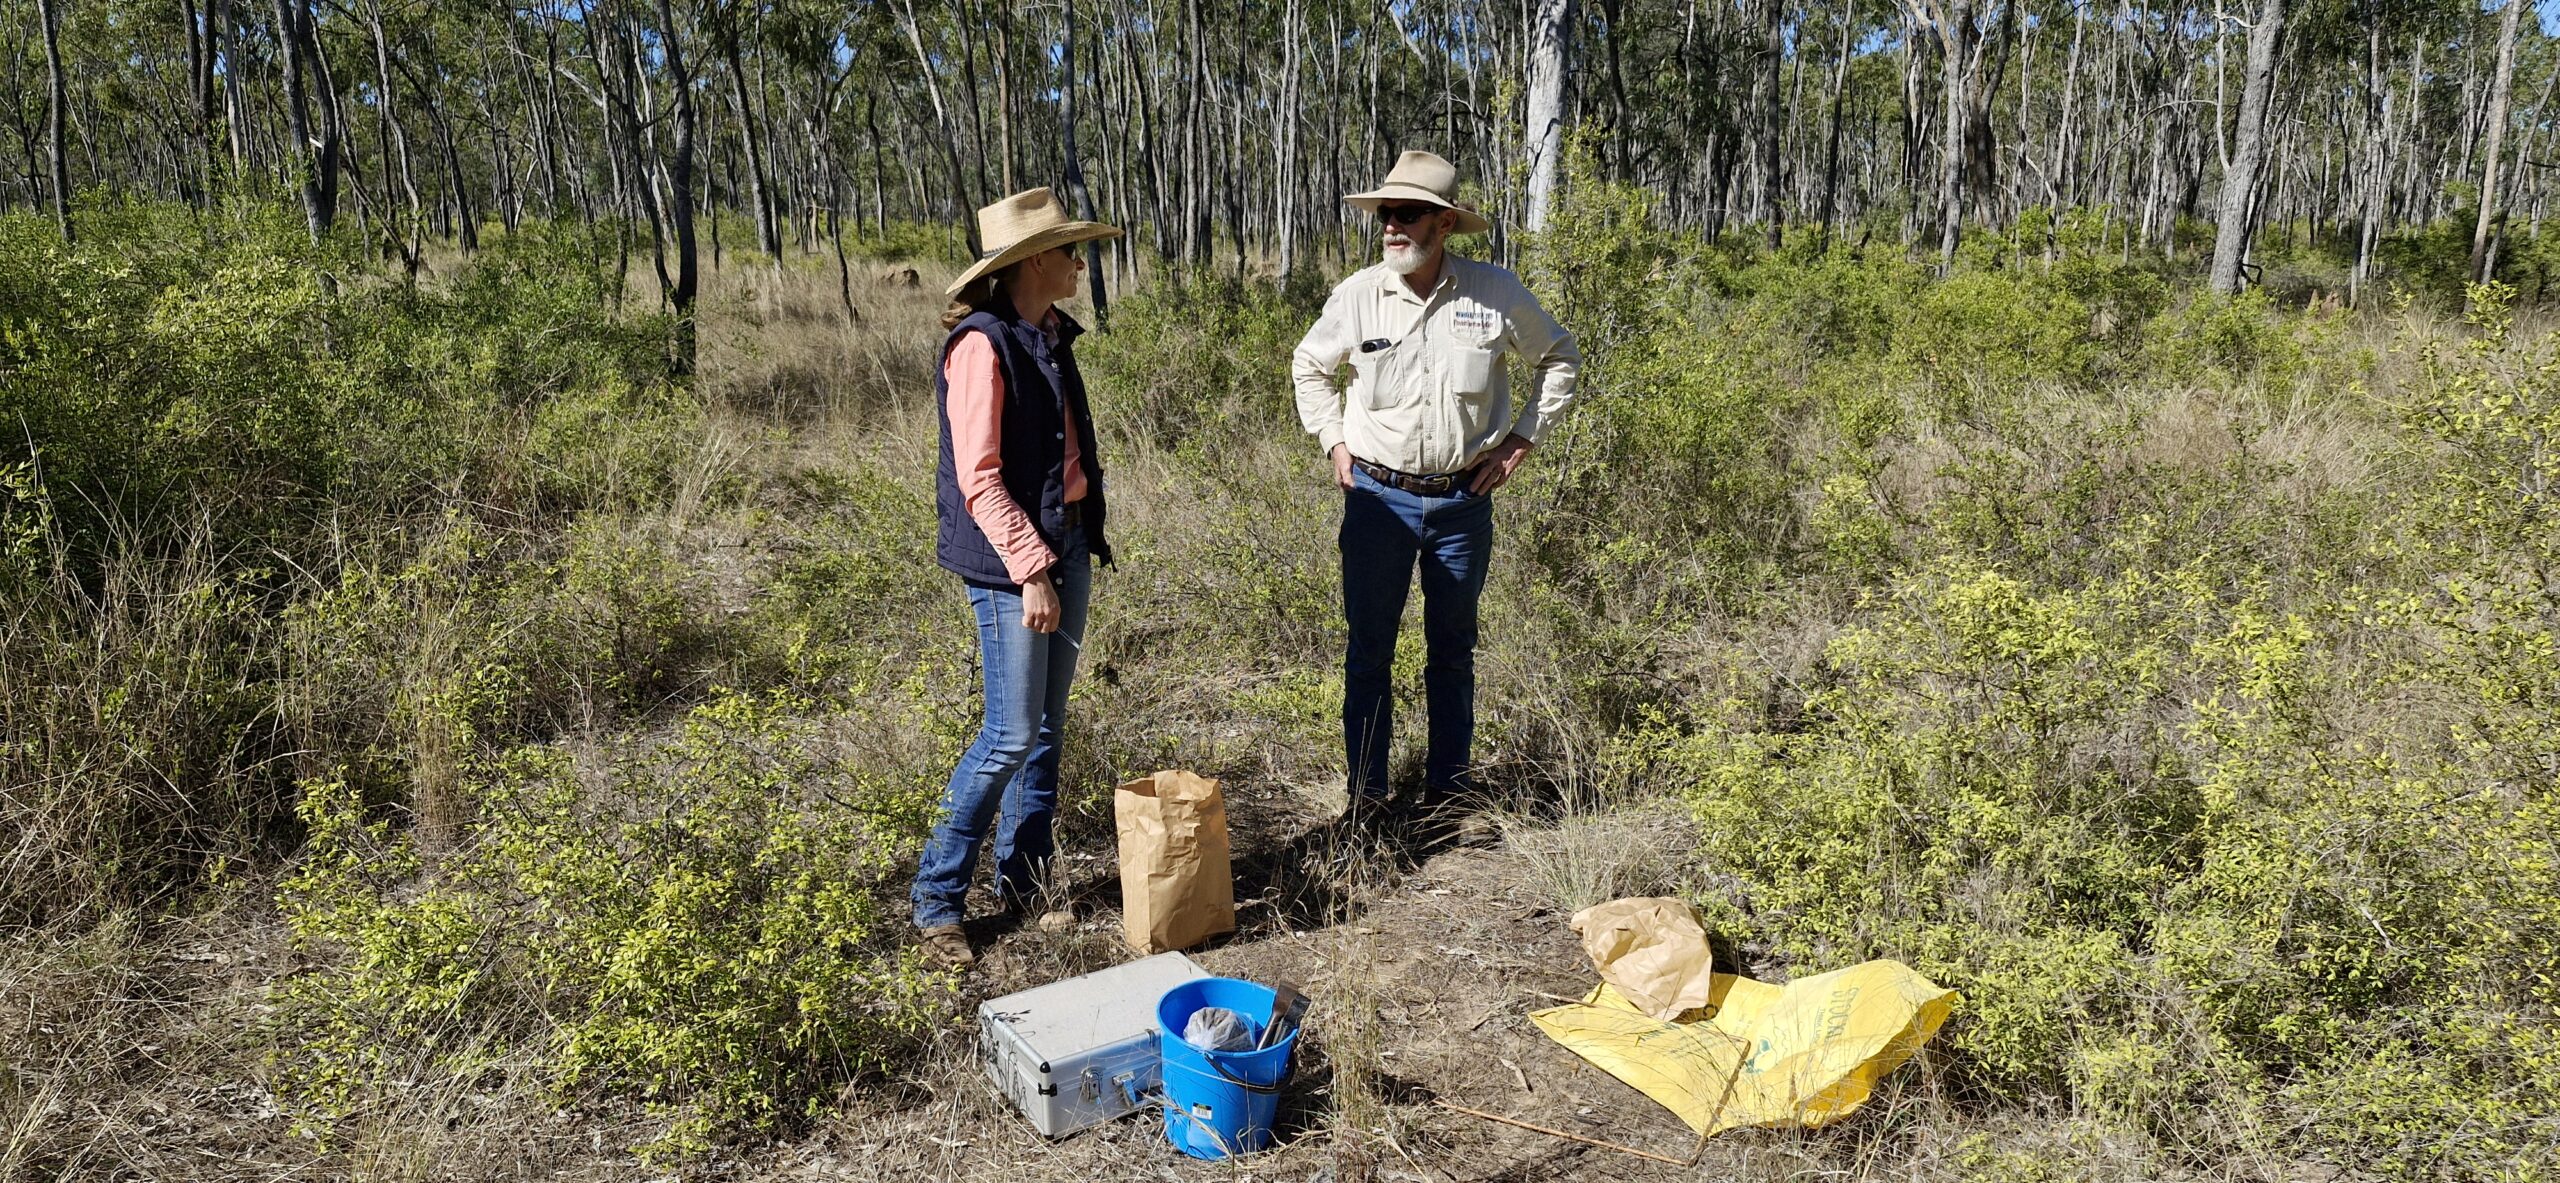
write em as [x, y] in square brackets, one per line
[679, 173]
[2501, 90]
[542, 111]
[819, 122]
[2377, 164]
[1621, 111]
[2234, 208]
[56, 112]
[768, 231]
[221, 43]
[1914, 122]
[1550, 60]
[2221, 86]
[1004, 95]
[1284, 138]
[407, 235]
[315, 154]
[1956, 38]
[466, 221]
[1772, 119]
[1831, 143]
[200, 50]
[948, 136]
[1193, 203]
[879, 164]
[1075, 168]
[963, 22]
[2065, 138]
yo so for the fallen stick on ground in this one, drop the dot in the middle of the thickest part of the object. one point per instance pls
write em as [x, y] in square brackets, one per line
[1513, 1121]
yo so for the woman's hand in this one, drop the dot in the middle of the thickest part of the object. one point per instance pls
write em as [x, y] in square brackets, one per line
[1040, 604]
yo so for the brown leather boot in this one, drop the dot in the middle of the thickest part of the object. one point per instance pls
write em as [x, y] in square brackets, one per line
[947, 946]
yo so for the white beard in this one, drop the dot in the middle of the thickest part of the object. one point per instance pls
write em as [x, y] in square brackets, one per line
[1405, 260]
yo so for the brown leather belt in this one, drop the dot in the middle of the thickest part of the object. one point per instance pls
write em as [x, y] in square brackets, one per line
[1074, 512]
[1424, 484]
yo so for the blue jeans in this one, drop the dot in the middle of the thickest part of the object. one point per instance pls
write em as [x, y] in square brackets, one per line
[1009, 777]
[1385, 532]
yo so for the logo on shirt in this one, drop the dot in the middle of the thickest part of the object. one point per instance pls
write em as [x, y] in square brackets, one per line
[1475, 321]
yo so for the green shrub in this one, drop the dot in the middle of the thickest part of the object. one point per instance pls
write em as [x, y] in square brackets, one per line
[2236, 339]
[2225, 826]
[478, 638]
[1197, 364]
[1989, 333]
[901, 242]
[222, 435]
[703, 923]
[1683, 400]
[858, 598]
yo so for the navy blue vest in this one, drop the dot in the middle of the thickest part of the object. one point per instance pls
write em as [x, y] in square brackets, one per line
[1043, 394]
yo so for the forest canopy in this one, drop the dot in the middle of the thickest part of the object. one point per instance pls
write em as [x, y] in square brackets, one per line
[2237, 134]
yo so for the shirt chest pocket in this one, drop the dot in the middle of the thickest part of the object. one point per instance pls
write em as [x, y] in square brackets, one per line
[1472, 367]
[1471, 351]
[1383, 379]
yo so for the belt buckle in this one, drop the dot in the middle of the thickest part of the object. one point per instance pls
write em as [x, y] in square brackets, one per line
[1432, 485]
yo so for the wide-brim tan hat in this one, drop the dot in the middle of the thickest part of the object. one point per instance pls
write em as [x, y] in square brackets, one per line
[1424, 177]
[1021, 226]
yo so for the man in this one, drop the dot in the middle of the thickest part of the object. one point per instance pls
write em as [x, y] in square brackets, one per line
[1420, 439]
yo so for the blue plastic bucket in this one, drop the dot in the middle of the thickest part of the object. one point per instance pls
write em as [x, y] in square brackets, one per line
[1219, 1103]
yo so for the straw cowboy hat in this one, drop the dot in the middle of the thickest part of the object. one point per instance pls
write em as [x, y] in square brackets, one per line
[1021, 226]
[1422, 176]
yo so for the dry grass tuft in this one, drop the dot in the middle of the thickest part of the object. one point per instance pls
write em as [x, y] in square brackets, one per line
[64, 1033]
[780, 345]
[1583, 858]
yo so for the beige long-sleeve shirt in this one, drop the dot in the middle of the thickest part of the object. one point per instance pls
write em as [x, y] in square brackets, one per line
[1434, 396]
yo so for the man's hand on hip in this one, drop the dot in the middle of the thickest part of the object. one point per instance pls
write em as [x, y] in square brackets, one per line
[1495, 469]
[1342, 465]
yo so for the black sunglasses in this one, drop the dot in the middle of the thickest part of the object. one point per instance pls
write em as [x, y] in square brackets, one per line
[1408, 215]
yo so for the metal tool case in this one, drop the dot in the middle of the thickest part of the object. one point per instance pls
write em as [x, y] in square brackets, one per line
[1083, 1051]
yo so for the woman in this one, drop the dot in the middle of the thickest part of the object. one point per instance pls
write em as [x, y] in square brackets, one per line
[1019, 500]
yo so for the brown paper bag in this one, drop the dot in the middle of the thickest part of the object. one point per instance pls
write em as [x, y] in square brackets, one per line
[1652, 949]
[1176, 888]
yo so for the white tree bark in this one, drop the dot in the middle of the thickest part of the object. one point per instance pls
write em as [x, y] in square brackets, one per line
[1550, 54]
[2235, 205]
[2501, 92]
[1956, 36]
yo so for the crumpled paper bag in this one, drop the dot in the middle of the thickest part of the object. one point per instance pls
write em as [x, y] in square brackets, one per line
[1177, 887]
[1652, 949]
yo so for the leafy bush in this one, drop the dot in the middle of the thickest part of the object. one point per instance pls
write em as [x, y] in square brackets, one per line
[1197, 363]
[2224, 827]
[702, 923]
[210, 419]
[1986, 332]
[2237, 339]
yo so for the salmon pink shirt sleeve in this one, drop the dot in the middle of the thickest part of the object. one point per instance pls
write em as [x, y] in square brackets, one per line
[975, 404]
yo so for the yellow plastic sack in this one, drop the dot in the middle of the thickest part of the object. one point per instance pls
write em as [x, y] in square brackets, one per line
[1804, 1054]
